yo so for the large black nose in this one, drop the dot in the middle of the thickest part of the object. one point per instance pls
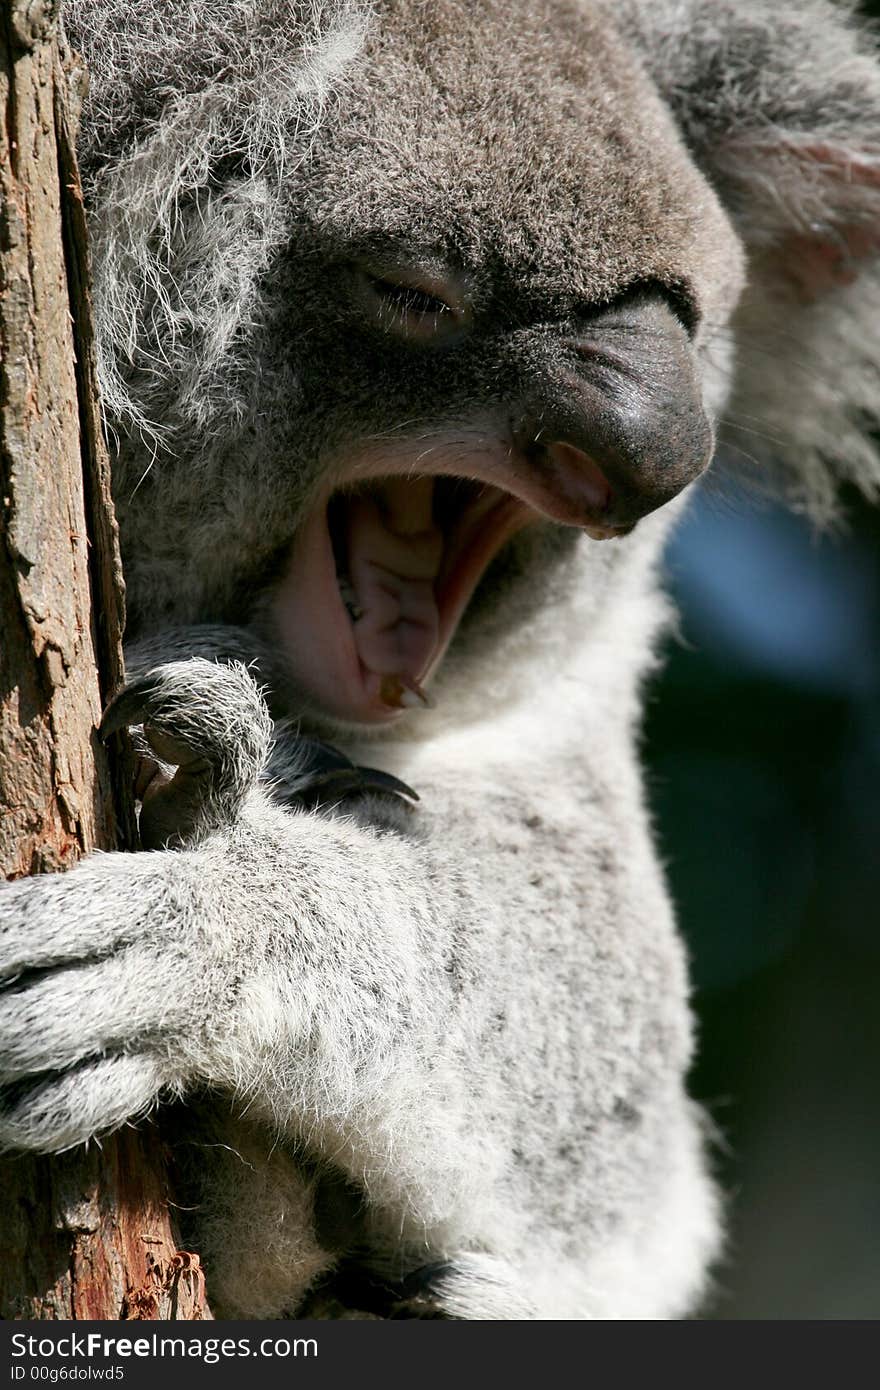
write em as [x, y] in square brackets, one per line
[614, 412]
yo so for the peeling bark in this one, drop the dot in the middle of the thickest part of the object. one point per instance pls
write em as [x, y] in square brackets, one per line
[86, 1234]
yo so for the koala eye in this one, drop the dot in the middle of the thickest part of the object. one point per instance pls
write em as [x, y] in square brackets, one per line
[405, 299]
[411, 304]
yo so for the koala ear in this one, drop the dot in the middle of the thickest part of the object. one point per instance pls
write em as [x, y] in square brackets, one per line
[780, 106]
[807, 385]
[808, 208]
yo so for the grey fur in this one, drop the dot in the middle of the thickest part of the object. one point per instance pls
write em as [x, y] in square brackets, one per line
[469, 1022]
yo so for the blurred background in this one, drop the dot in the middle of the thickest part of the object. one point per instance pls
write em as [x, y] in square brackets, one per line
[763, 750]
[763, 745]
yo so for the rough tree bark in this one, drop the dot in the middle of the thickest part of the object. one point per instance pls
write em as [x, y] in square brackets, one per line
[86, 1234]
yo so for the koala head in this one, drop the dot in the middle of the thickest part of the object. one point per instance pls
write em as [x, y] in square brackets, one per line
[387, 297]
[492, 307]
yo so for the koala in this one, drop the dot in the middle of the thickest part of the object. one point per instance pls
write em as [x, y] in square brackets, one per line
[418, 321]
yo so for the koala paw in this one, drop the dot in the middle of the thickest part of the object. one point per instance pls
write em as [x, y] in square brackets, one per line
[119, 979]
[99, 968]
[207, 719]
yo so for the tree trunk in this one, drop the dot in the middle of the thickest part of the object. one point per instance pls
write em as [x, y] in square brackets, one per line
[86, 1234]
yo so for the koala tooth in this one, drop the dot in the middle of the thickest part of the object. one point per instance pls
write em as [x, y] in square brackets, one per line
[399, 692]
[414, 697]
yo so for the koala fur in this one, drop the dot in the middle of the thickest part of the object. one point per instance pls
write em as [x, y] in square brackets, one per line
[430, 1060]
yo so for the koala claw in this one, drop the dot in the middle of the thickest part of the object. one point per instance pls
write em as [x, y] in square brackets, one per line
[207, 719]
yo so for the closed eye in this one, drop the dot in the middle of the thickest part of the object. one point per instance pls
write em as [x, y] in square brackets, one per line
[412, 304]
[407, 299]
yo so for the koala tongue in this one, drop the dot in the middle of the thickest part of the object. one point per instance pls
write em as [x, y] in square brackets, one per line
[394, 556]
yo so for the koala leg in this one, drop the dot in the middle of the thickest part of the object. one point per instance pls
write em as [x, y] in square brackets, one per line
[249, 1206]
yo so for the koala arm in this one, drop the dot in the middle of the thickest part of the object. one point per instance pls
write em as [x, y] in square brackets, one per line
[278, 955]
[417, 1007]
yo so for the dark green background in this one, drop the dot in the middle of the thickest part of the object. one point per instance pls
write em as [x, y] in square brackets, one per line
[764, 776]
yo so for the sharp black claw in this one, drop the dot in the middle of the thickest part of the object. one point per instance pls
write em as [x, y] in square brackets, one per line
[328, 777]
[373, 779]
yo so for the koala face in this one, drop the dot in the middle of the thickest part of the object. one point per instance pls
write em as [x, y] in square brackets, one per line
[486, 311]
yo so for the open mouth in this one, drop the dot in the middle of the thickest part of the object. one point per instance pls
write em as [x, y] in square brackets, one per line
[383, 570]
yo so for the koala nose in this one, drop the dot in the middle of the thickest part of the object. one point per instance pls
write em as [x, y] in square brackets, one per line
[421, 304]
[616, 419]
